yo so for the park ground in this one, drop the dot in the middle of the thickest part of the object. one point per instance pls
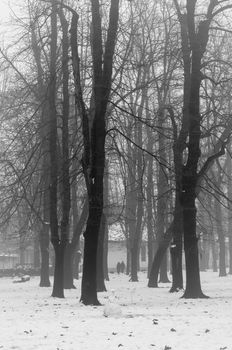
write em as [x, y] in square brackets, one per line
[132, 317]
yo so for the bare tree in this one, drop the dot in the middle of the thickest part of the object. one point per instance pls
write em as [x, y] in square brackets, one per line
[94, 133]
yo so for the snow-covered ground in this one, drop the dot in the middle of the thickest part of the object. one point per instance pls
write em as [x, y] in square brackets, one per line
[139, 317]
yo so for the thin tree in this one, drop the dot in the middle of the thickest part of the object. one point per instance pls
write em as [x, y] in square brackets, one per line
[59, 235]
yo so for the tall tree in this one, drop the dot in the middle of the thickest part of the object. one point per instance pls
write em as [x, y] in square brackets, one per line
[59, 235]
[55, 239]
[198, 36]
[94, 133]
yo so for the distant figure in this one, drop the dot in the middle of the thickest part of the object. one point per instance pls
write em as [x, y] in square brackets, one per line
[122, 267]
[118, 267]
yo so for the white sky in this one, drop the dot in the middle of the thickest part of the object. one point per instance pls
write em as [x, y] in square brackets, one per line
[9, 10]
[4, 19]
[4, 10]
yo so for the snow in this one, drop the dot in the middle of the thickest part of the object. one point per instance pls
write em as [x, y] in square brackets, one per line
[148, 319]
[112, 308]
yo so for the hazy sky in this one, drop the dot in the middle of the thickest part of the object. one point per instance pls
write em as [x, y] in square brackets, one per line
[4, 10]
[7, 28]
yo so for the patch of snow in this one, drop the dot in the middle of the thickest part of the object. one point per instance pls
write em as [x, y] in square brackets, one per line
[111, 308]
[146, 319]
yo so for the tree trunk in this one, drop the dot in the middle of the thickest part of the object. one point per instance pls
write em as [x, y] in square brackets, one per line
[136, 239]
[105, 223]
[134, 262]
[44, 251]
[105, 253]
[229, 195]
[164, 269]
[45, 176]
[58, 284]
[36, 264]
[68, 266]
[179, 146]
[89, 276]
[130, 210]
[150, 233]
[193, 285]
[177, 276]
[176, 246]
[44, 238]
[220, 231]
[159, 255]
[162, 248]
[205, 247]
[58, 242]
[162, 187]
[71, 261]
[198, 38]
[230, 255]
[100, 256]
[221, 239]
[136, 242]
[149, 193]
[76, 262]
[94, 132]
[128, 258]
[201, 255]
[222, 256]
[214, 254]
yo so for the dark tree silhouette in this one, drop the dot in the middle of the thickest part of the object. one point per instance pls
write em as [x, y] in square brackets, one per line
[94, 133]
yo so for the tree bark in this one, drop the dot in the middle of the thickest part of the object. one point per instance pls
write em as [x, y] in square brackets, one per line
[105, 253]
[221, 239]
[176, 245]
[94, 154]
[71, 249]
[105, 223]
[128, 258]
[230, 255]
[130, 211]
[36, 263]
[175, 231]
[150, 233]
[162, 194]
[44, 251]
[198, 39]
[58, 242]
[229, 195]
[44, 230]
[214, 254]
[162, 248]
[68, 266]
[100, 256]
[164, 269]
[64, 246]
